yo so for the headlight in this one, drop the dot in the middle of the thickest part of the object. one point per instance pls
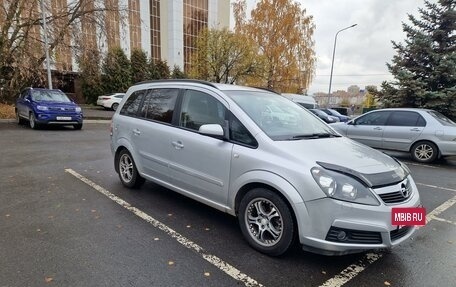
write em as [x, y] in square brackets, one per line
[342, 187]
[78, 109]
[42, 108]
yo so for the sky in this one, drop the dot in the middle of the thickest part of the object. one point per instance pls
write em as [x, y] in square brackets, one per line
[362, 51]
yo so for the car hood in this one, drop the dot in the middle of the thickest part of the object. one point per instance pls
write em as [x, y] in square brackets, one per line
[341, 154]
[56, 104]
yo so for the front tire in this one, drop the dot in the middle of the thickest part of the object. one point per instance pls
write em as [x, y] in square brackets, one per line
[266, 222]
[424, 152]
[32, 121]
[128, 173]
[77, 126]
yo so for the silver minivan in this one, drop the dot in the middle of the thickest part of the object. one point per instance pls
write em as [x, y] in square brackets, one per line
[285, 177]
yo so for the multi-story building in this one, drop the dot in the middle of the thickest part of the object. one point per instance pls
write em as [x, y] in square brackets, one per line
[164, 29]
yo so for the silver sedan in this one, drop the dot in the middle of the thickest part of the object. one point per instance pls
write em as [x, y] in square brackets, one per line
[426, 134]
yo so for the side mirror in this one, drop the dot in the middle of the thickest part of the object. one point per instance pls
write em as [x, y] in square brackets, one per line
[212, 130]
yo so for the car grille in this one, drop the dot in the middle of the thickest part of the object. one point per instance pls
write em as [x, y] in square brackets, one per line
[354, 236]
[61, 109]
[399, 233]
[398, 196]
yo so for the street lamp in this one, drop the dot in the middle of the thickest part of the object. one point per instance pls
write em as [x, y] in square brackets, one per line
[332, 64]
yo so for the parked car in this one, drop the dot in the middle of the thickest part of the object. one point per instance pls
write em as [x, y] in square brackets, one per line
[335, 113]
[283, 180]
[110, 101]
[341, 110]
[307, 102]
[426, 134]
[47, 107]
[324, 116]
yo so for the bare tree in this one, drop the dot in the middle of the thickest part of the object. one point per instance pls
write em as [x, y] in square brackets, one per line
[73, 26]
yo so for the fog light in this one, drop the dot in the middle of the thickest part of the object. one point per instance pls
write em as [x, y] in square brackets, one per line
[342, 235]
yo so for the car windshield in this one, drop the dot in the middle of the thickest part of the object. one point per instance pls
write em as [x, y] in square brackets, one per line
[49, 96]
[442, 119]
[334, 112]
[291, 123]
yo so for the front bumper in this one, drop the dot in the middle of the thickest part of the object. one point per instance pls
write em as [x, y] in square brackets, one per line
[59, 119]
[328, 216]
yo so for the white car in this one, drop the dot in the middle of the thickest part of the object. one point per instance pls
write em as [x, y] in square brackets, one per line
[110, 101]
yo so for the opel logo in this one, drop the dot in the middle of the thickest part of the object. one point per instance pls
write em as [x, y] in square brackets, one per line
[404, 191]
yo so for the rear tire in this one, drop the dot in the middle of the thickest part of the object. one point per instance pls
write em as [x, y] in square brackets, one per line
[128, 173]
[424, 152]
[266, 221]
[19, 120]
[114, 106]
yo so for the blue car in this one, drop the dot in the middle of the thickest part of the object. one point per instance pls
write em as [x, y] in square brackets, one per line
[47, 107]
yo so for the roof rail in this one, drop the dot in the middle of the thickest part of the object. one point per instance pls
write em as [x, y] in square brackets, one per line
[178, 80]
[266, 89]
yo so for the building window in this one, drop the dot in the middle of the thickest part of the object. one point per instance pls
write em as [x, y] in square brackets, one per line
[135, 24]
[155, 43]
[195, 20]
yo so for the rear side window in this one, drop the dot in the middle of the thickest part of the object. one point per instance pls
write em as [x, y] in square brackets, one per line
[159, 105]
[199, 108]
[373, 119]
[406, 119]
[131, 106]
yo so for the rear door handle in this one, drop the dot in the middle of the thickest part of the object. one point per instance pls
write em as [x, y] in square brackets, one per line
[136, 132]
[178, 145]
[415, 130]
[377, 129]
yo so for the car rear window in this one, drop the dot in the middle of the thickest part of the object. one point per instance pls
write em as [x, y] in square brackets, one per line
[442, 119]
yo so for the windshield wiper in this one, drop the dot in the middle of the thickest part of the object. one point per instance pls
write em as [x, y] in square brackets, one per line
[314, 136]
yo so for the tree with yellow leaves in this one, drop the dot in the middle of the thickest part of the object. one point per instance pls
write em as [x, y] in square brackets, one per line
[224, 57]
[284, 34]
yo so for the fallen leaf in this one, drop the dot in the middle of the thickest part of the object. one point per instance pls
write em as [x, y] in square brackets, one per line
[7, 215]
[77, 209]
[188, 226]
[170, 214]
[170, 263]
[48, 279]
[51, 216]
[93, 210]
[119, 226]
[449, 241]
[387, 283]
[323, 272]
[38, 230]
[207, 274]
[156, 238]
[83, 199]
[98, 171]
[96, 217]
[207, 229]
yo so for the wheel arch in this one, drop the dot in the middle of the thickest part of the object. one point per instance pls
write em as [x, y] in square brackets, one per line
[278, 185]
[123, 144]
[425, 140]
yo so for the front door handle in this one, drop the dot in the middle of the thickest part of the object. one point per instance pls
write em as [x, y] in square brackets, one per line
[136, 132]
[178, 145]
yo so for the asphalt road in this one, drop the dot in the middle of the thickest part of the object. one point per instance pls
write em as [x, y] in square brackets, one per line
[57, 230]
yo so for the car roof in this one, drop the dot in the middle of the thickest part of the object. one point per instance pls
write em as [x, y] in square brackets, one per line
[219, 86]
[404, 109]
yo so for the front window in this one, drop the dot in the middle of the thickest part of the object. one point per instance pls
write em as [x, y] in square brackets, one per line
[373, 119]
[49, 96]
[278, 117]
